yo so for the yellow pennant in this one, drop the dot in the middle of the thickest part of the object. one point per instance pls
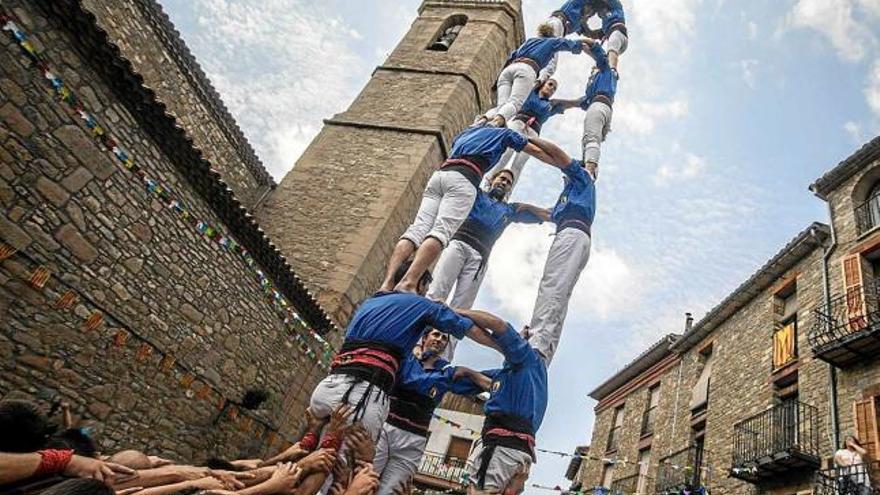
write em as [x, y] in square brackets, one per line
[120, 338]
[144, 351]
[187, 380]
[167, 363]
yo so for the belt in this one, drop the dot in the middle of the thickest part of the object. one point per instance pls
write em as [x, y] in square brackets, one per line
[603, 98]
[572, 223]
[617, 26]
[463, 162]
[531, 63]
[407, 424]
[502, 430]
[369, 361]
[530, 120]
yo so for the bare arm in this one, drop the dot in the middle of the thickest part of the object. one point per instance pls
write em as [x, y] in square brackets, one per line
[478, 378]
[566, 104]
[555, 155]
[17, 467]
[311, 484]
[479, 335]
[484, 319]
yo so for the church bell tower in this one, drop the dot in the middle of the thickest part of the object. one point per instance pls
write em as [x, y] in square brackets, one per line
[338, 213]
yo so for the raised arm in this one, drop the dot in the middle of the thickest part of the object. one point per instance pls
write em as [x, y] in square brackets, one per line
[481, 336]
[485, 320]
[563, 104]
[547, 152]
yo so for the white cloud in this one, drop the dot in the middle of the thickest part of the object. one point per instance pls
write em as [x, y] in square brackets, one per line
[280, 68]
[855, 131]
[688, 167]
[752, 30]
[870, 7]
[747, 69]
[835, 19]
[641, 117]
[605, 289]
[872, 88]
[664, 26]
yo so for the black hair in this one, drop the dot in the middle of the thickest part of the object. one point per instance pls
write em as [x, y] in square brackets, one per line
[79, 486]
[24, 427]
[75, 439]
[404, 267]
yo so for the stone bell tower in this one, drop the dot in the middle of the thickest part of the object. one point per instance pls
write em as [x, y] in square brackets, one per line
[339, 212]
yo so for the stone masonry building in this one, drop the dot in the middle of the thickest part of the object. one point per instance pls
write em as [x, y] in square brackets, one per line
[757, 395]
[135, 281]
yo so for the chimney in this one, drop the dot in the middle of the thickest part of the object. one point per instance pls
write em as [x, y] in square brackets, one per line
[688, 322]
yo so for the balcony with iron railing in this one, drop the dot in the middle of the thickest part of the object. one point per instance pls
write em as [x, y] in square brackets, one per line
[868, 214]
[443, 472]
[847, 329]
[781, 439]
[687, 469]
[859, 479]
[635, 484]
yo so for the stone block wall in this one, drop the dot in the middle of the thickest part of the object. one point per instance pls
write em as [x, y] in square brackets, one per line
[146, 37]
[69, 206]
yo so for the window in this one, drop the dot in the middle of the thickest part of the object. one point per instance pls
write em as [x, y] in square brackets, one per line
[607, 474]
[868, 211]
[459, 449]
[785, 308]
[651, 410]
[865, 421]
[448, 33]
[700, 395]
[644, 469]
[616, 426]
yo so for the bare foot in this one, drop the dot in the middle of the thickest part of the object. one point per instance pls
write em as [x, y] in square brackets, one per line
[401, 287]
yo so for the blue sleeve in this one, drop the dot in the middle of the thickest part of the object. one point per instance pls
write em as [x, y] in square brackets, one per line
[521, 215]
[556, 109]
[462, 386]
[448, 321]
[516, 140]
[575, 172]
[493, 373]
[600, 56]
[573, 46]
[515, 348]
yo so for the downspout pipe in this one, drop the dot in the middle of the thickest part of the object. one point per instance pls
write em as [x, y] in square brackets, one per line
[826, 288]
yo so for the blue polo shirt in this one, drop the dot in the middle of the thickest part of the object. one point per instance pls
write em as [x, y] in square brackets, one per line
[488, 219]
[397, 319]
[433, 383]
[541, 50]
[577, 203]
[540, 108]
[603, 82]
[573, 11]
[611, 15]
[519, 388]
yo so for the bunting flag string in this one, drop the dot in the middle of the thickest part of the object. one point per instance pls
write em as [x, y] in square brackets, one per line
[601, 490]
[289, 316]
[143, 348]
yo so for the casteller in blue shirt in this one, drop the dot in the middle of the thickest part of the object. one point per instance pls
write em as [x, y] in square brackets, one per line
[541, 50]
[602, 85]
[488, 219]
[419, 391]
[477, 149]
[536, 110]
[576, 206]
[572, 13]
[384, 330]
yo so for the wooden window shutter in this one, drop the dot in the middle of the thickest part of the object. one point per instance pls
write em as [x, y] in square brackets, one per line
[784, 349]
[854, 293]
[865, 419]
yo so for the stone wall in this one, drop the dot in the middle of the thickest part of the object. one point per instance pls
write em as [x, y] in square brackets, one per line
[338, 214]
[861, 380]
[68, 206]
[741, 386]
[147, 38]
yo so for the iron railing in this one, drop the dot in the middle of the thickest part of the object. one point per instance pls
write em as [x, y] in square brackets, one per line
[686, 468]
[859, 479]
[648, 421]
[846, 315]
[790, 427]
[439, 466]
[868, 214]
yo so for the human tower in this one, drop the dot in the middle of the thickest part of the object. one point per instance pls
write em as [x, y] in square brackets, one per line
[393, 368]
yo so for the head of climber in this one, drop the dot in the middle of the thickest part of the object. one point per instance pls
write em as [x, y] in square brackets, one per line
[434, 342]
[545, 30]
[547, 88]
[501, 184]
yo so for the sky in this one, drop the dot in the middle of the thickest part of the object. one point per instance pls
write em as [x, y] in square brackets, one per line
[726, 111]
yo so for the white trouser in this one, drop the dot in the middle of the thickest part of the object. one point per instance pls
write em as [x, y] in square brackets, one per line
[504, 464]
[616, 42]
[459, 266]
[515, 83]
[597, 122]
[519, 157]
[568, 256]
[446, 202]
[329, 394]
[398, 453]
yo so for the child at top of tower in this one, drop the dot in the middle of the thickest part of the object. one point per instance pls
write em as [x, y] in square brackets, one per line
[612, 33]
[448, 199]
[521, 71]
